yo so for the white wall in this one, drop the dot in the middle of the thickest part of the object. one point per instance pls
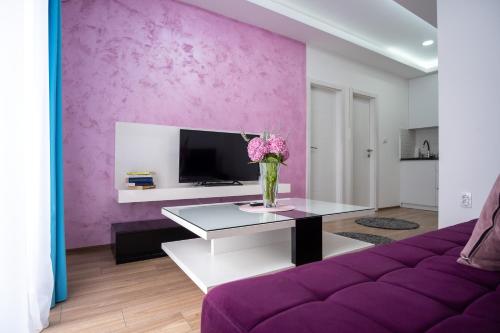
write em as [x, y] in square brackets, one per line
[392, 109]
[469, 111]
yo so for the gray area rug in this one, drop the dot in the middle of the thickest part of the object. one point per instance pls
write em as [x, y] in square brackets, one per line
[387, 223]
[369, 238]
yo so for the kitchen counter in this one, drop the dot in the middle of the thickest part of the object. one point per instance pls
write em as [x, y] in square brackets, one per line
[419, 179]
[419, 159]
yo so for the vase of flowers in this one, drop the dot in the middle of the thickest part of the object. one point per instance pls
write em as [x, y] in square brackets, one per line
[270, 151]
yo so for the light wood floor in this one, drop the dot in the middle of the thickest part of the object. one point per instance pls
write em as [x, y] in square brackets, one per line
[155, 295]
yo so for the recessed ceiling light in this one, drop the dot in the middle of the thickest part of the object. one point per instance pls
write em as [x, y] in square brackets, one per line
[428, 42]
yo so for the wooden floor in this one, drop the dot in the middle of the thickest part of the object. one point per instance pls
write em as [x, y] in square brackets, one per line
[155, 295]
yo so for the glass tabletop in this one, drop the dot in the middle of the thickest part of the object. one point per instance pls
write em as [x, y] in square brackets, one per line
[211, 217]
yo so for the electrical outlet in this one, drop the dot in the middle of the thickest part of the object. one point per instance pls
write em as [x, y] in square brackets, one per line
[466, 200]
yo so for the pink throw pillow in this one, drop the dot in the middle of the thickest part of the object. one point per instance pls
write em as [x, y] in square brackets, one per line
[483, 248]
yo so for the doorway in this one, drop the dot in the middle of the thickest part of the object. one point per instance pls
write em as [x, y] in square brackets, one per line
[326, 143]
[363, 154]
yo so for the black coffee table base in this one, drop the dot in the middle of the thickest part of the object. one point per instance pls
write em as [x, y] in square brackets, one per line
[307, 240]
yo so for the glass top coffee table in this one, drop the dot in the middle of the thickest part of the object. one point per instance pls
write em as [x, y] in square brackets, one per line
[234, 244]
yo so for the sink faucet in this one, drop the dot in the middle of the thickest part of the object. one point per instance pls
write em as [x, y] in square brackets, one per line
[428, 153]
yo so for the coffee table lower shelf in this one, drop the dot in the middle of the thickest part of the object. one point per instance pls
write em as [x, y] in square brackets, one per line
[194, 257]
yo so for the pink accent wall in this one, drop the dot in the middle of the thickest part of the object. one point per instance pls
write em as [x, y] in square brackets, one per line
[163, 62]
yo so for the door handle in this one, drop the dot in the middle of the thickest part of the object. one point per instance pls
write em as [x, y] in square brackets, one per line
[369, 150]
[313, 147]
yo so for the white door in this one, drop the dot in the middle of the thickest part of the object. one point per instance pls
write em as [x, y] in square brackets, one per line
[325, 143]
[362, 151]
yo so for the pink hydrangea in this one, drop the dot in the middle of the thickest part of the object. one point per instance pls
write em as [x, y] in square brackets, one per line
[257, 149]
[277, 145]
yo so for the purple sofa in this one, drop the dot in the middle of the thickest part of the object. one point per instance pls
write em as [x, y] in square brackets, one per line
[413, 285]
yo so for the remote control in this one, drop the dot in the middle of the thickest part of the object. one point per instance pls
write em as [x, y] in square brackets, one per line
[256, 204]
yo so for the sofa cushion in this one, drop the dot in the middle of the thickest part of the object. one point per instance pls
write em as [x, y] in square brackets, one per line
[414, 285]
[325, 278]
[466, 227]
[382, 303]
[449, 235]
[449, 290]
[486, 307]
[454, 252]
[406, 254]
[483, 248]
[465, 324]
[320, 317]
[448, 265]
[368, 263]
[432, 244]
[258, 299]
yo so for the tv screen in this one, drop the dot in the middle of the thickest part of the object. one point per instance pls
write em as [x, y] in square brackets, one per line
[211, 157]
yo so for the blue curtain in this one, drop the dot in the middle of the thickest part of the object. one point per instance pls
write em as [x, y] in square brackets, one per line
[58, 248]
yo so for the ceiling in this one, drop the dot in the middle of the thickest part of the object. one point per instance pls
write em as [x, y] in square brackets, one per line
[386, 34]
[426, 9]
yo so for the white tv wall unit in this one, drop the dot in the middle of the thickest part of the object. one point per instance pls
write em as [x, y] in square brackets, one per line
[156, 148]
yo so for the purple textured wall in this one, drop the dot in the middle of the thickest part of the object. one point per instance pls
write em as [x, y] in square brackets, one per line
[163, 62]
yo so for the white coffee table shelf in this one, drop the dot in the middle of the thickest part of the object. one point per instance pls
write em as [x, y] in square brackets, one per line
[194, 257]
[192, 192]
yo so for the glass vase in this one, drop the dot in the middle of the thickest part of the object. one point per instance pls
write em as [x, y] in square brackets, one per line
[269, 178]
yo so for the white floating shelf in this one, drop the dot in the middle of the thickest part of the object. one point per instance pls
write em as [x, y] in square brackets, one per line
[192, 192]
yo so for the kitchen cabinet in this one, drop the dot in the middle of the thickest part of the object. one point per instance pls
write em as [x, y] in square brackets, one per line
[419, 184]
[423, 102]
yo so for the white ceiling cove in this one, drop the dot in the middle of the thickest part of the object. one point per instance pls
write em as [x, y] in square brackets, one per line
[379, 33]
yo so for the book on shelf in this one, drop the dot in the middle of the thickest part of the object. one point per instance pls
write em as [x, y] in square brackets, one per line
[139, 179]
[140, 184]
[140, 173]
[141, 187]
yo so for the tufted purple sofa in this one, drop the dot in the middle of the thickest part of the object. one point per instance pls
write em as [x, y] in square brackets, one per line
[413, 285]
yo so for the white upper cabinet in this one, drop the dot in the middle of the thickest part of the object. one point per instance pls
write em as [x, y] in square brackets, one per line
[423, 101]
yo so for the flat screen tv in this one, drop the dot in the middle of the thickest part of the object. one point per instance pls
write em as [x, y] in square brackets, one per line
[212, 158]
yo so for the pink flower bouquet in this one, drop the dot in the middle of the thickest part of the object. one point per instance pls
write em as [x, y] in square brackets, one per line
[269, 151]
